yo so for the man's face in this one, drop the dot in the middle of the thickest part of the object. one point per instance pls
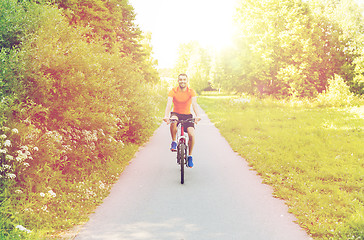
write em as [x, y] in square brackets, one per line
[182, 81]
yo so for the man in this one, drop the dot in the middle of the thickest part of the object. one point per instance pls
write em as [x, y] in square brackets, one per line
[182, 98]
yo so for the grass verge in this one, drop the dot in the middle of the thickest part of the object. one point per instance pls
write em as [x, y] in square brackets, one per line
[313, 157]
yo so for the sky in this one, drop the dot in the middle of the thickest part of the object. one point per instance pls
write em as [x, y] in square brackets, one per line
[173, 22]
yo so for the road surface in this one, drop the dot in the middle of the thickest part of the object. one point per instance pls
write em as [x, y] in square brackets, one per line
[222, 198]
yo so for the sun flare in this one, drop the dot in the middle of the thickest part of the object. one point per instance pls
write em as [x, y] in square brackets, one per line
[173, 22]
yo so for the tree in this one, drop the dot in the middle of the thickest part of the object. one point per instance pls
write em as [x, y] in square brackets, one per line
[270, 40]
[348, 16]
[288, 48]
[228, 73]
[112, 22]
[54, 80]
[196, 62]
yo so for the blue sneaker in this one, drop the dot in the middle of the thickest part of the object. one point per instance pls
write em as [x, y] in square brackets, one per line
[174, 146]
[189, 162]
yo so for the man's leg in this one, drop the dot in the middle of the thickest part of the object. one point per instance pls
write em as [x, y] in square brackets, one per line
[173, 129]
[191, 143]
[191, 139]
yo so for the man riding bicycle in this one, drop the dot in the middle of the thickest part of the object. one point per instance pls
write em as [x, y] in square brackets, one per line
[182, 98]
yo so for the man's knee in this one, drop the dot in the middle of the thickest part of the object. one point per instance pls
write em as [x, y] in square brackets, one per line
[191, 132]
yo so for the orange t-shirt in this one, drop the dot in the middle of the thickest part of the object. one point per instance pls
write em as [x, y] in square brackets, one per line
[182, 100]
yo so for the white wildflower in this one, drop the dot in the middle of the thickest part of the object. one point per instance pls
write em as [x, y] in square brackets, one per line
[44, 208]
[24, 148]
[14, 130]
[9, 157]
[7, 143]
[3, 136]
[67, 148]
[21, 157]
[102, 132]
[18, 191]
[11, 175]
[27, 121]
[36, 149]
[102, 185]
[26, 164]
[51, 193]
[42, 194]
[21, 228]
[6, 166]
[3, 150]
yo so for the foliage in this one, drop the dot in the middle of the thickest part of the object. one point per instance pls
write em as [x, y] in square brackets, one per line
[290, 50]
[357, 85]
[338, 93]
[112, 22]
[15, 24]
[311, 156]
[283, 48]
[348, 16]
[287, 48]
[108, 20]
[195, 61]
[76, 100]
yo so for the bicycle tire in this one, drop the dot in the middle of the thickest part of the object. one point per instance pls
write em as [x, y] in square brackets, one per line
[182, 157]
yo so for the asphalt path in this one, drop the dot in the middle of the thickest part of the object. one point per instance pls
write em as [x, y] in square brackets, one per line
[222, 198]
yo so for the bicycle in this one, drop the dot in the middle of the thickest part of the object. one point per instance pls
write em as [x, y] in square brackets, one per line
[182, 145]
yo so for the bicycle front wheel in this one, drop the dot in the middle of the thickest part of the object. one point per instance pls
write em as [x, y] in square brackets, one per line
[182, 160]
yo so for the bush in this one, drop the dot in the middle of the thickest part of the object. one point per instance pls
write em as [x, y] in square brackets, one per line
[78, 106]
[294, 83]
[338, 93]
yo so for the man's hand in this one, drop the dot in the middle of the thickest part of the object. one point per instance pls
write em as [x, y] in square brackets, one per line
[197, 119]
[166, 119]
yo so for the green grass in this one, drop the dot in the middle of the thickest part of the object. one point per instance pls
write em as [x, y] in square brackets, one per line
[313, 158]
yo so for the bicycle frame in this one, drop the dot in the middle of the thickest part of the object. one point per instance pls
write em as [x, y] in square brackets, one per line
[181, 136]
[182, 146]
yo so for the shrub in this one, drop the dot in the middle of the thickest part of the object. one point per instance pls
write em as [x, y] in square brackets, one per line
[294, 83]
[78, 106]
[337, 94]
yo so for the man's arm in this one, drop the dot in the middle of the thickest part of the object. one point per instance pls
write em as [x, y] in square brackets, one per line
[168, 110]
[195, 109]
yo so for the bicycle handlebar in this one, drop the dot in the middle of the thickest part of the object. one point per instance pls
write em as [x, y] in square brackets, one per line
[182, 121]
[192, 120]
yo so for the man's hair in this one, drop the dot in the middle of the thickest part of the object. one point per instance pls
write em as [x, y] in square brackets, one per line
[183, 74]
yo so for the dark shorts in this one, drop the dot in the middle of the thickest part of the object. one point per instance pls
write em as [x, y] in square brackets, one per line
[184, 117]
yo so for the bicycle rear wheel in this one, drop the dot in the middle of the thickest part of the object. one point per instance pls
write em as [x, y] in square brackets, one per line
[182, 159]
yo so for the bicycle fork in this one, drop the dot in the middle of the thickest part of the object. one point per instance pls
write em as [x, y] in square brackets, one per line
[182, 140]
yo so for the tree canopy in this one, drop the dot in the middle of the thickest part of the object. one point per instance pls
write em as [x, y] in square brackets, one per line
[286, 48]
[75, 81]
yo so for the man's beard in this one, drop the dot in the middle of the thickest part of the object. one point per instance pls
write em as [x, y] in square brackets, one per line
[183, 85]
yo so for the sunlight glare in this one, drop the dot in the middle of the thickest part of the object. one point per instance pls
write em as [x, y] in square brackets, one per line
[173, 22]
